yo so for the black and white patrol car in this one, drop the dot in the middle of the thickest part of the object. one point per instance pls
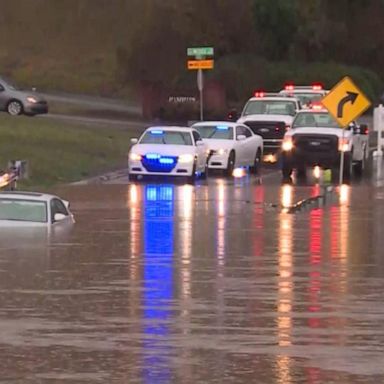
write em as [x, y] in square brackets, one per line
[270, 116]
[316, 139]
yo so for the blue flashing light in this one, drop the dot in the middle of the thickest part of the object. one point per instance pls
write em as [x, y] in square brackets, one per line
[222, 127]
[157, 132]
[152, 156]
[165, 160]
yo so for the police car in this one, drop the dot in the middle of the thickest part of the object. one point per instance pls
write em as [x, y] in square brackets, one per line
[231, 145]
[168, 151]
[316, 139]
[307, 95]
[270, 116]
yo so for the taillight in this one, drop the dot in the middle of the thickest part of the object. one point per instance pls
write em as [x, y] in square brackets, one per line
[343, 144]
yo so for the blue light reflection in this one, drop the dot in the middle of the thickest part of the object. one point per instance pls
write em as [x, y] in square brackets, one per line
[158, 281]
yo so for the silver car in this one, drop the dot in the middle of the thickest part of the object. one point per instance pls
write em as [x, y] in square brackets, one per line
[30, 209]
[17, 102]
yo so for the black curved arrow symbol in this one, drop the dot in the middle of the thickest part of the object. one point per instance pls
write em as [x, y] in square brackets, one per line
[350, 98]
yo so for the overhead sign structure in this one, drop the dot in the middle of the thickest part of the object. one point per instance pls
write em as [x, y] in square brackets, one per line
[346, 102]
[200, 64]
[200, 51]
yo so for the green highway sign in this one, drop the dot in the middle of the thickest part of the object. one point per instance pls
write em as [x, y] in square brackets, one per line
[200, 51]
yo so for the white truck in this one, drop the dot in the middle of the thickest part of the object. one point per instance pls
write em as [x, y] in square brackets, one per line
[270, 116]
[316, 139]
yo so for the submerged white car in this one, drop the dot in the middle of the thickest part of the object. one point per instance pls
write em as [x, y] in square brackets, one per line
[168, 151]
[231, 145]
[30, 209]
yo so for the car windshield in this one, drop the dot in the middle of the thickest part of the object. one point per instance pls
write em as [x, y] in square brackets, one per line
[220, 132]
[270, 107]
[23, 210]
[157, 136]
[308, 98]
[9, 84]
[323, 120]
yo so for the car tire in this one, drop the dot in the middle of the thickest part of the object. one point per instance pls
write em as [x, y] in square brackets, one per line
[204, 175]
[360, 167]
[301, 173]
[15, 108]
[255, 168]
[231, 164]
[348, 167]
[192, 178]
[133, 177]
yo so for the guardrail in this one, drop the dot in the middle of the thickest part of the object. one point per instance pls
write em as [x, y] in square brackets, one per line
[16, 170]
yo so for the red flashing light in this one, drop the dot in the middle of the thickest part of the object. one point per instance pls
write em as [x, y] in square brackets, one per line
[316, 106]
[317, 87]
[289, 87]
[259, 94]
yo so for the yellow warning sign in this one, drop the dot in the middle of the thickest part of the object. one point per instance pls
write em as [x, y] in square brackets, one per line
[346, 102]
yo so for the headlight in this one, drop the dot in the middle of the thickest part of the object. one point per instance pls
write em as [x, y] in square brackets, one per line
[287, 144]
[31, 99]
[222, 151]
[135, 157]
[186, 158]
[343, 144]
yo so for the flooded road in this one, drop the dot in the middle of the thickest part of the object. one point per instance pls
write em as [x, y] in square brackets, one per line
[213, 283]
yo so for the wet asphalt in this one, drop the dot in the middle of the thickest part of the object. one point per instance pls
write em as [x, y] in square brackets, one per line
[212, 283]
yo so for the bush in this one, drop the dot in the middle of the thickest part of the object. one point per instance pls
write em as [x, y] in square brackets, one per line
[242, 74]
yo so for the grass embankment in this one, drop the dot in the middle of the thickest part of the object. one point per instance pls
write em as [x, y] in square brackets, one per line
[59, 152]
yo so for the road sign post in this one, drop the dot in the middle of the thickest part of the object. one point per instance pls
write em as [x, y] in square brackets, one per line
[200, 58]
[200, 86]
[345, 102]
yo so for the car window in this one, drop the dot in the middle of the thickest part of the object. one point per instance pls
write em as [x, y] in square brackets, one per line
[57, 206]
[196, 136]
[217, 132]
[156, 136]
[246, 132]
[23, 210]
[270, 107]
[309, 119]
[1, 88]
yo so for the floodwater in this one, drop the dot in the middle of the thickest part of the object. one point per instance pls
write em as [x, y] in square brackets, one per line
[164, 283]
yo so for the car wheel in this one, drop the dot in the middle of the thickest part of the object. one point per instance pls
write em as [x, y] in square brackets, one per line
[301, 172]
[286, 170]
[360, 167]
[15, 108]
[133, 177]
[348, 166]
[192, 178]
[204, 175]
[255, 169]
[231, 164]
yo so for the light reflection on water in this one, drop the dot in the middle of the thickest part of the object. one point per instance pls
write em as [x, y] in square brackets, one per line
[205, 283]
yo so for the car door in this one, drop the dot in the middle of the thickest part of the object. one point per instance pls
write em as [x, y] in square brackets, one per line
[3, 97]
[200, 150]
[241, 146]
[57, 206]
[250, 146]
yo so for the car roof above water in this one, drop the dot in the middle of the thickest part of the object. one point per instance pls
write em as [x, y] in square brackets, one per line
[26, 196]
[170, 128]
